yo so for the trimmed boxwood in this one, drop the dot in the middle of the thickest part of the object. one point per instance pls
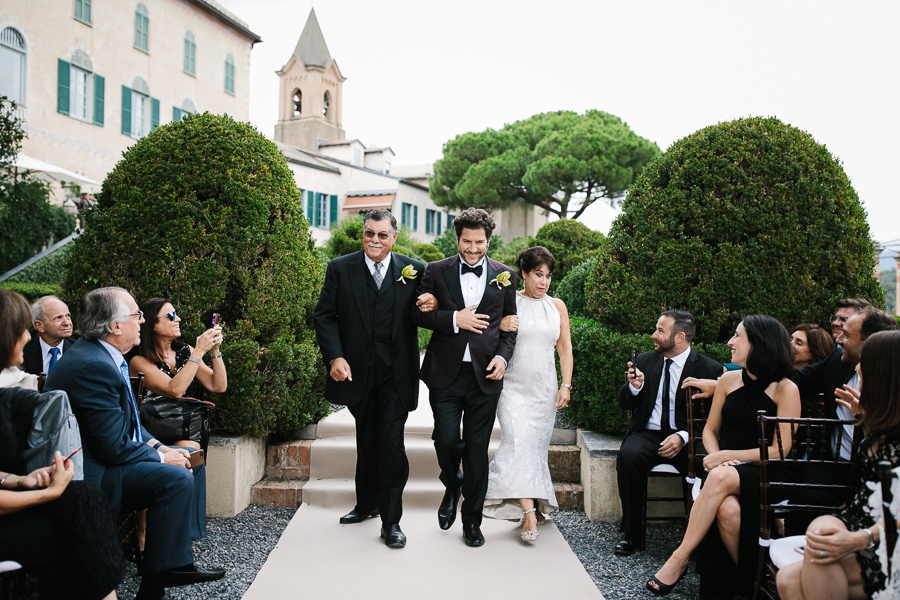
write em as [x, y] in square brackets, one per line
[571, 243]
[749, 216]
[205, 211]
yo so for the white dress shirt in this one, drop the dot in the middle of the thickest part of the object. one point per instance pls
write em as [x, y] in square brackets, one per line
[675, 370]
[472, 291]
[45, 352]
[385, 264]
[846, 450]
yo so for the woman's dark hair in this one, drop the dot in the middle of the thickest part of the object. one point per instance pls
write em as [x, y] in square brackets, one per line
[15, 316]
[879, 394]
[530, 259]
[147, 348]
[770, 356]
[819, 341]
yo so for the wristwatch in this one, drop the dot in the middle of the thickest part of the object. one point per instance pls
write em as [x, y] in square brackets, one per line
[871, 545]
[195, 360]
[566, 385]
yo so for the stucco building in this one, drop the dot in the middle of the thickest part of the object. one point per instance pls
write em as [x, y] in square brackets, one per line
[93, 76]
[338, 176]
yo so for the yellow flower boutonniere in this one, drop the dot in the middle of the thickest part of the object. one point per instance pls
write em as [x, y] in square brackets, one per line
[501, 279]
[407, 273]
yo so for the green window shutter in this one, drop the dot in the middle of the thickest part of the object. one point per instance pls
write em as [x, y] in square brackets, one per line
[154, 113]
[126, 111]
[99, 92]
[176, 114]
[334, 210]
[316, 209]
[415, 224]
[62, 86]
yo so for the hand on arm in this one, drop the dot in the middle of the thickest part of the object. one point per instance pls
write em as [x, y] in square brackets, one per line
[509, 323]
[706, 387]
[469, 320]
[496, 368]
[426, 302]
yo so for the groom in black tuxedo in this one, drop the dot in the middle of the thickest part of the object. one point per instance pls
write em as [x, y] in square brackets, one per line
[364, 325]
[465, 363]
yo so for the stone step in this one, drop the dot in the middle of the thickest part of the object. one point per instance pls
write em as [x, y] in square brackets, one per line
[569, 496]
[278, 493]
[565, 463]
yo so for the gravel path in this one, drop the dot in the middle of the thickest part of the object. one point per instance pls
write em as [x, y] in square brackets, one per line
[242, 544]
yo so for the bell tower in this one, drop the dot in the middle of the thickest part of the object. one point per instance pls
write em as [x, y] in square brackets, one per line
[310, 92]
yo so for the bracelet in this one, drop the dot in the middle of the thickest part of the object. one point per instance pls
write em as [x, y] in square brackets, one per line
[157, 445]
[4, 479]
[195, 360]
[871, 545]
[215, 356]
[566, 385]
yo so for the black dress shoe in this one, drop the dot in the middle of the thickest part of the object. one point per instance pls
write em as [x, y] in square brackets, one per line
[358, 516]
[189, 575]
[447, 510]
[625, 548]
[472, 535]
[156, 594]
[392, 536]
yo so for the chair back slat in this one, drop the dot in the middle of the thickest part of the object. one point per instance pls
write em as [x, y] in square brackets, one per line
[138, 389]
[697, 414]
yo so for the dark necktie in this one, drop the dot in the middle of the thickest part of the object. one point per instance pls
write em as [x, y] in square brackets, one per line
[134, 412]
[476, 270]
[664, 422]
[377, 275]
[54, 356]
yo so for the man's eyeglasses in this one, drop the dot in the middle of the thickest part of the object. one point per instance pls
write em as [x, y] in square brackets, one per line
[841, 319]
[381, 236]
[139, 314]
[172, 315]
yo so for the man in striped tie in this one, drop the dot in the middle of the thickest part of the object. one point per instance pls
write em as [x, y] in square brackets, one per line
[134, 470]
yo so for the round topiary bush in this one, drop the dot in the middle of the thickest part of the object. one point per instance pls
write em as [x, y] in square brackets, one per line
[571, 288]
[571, 243]
[748, 216]
[205, 211]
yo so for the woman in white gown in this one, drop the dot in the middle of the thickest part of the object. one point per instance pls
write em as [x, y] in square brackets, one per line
[519, 479]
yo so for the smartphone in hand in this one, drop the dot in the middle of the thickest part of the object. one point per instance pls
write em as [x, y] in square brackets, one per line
[215, 319]
[197, 458]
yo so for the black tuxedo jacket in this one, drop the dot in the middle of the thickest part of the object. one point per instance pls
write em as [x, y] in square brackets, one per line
[343, 327]
[446, 348]
[34, 361]
[823, 378]
[651, 365]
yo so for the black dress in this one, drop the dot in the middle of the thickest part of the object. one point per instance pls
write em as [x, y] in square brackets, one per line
[719, 576]
[70, 543]
[195, 389]
[857, 514]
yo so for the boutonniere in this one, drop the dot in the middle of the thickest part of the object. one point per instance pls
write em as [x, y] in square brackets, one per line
[407, 273]
[501, 279]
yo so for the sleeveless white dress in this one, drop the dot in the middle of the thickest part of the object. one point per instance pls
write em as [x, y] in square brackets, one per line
[527, 411]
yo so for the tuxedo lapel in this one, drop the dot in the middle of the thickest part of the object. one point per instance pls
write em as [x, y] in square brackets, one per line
[358, 282]
[655, 377]
[490, 290]
[451, 276]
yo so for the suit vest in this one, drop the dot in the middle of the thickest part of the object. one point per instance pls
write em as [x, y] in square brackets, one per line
[381, 315]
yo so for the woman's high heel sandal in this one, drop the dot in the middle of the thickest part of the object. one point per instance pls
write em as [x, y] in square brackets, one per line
[529, 535]
[659, 588]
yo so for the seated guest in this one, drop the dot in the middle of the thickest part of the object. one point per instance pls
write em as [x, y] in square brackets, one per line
[761, 346]
[840, 559]
[811, 344]
[53, 324]
[174, 369]
[59, 529]
[133, 469]
[657, 432]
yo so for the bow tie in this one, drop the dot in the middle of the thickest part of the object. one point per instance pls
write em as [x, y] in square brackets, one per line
[476, 270]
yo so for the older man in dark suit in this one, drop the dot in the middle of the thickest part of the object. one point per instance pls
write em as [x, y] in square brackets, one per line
[134, 470]
[658, 430]
[53, 324]
[465, 363]
[369, 341]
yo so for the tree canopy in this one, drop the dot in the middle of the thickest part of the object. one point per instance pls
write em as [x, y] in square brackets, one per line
[562, 162]
[751, 216]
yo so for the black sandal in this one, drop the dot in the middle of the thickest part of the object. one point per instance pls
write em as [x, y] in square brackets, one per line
[662, 589]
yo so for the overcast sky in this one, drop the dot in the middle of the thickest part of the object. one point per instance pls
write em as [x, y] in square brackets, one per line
[421, 72]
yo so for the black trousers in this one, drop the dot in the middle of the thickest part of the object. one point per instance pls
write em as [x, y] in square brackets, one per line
[382, 468]
[638, 454]
[463, 402]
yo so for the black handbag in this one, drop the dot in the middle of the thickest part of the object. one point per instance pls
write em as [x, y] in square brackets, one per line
[172, 419]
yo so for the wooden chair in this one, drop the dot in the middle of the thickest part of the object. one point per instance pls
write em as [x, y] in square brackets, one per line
[667, 471]
[12, 580]
[810, 445]
[41, 380]
[890, 516]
